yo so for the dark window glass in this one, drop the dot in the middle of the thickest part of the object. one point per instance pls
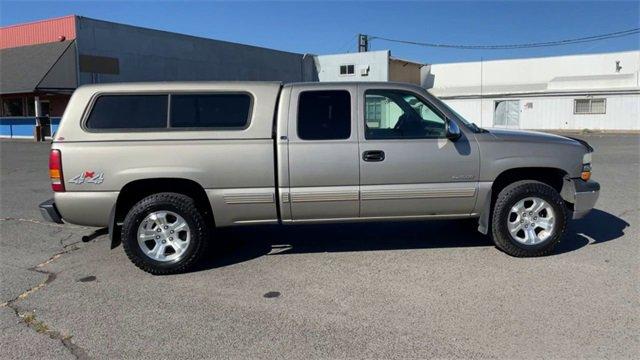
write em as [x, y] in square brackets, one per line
[45, 107]
[12, 107]
[210, 111]
[129, 112]
[324, 115]
[31, 107]
[347, 69]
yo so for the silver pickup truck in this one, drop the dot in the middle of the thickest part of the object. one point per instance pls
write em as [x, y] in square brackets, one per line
[164, 164]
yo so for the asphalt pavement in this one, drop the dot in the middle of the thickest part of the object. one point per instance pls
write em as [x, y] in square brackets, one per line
[372, 290]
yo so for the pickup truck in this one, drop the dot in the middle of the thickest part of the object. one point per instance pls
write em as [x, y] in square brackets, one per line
[162, 165]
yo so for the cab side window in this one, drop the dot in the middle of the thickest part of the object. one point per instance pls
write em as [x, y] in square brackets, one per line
[396, 114]
[324, 115]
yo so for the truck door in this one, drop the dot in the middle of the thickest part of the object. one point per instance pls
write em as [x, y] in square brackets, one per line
[408, 168]
[323, 153]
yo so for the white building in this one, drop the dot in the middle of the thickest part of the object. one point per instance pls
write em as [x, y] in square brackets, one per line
[367, 66]
[597, 91]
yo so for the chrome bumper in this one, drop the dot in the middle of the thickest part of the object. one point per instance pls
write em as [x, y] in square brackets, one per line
[49, 212]
[585, 195]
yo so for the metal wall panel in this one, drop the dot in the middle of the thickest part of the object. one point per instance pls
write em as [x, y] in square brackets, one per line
[38, 32]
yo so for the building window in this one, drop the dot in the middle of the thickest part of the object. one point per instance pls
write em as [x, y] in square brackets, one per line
[13, 107]
[324, 115]
[45, 107]
[589, 106]
[229, 111]
[373, 115]
[347, 69]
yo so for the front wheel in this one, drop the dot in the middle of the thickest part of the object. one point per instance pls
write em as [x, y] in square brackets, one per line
[529, 219]
[164, 233]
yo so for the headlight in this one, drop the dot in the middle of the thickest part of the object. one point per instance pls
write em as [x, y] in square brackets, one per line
[586, 158]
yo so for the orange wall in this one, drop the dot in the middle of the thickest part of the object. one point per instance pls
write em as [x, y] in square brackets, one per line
[38, 32]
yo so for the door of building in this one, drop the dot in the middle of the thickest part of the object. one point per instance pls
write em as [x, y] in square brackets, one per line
[507, 114]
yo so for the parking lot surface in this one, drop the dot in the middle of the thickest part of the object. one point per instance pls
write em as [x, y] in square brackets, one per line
[383, 290]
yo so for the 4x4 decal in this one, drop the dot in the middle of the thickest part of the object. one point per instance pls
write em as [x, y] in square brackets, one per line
[90, 177]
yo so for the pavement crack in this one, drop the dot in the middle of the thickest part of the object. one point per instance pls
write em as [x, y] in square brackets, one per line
[29, 318]
[31, 321]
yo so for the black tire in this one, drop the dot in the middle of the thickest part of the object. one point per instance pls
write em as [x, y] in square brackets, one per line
[507, 198]
[179, 204]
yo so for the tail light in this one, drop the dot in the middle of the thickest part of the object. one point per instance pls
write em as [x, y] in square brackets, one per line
[55, 171]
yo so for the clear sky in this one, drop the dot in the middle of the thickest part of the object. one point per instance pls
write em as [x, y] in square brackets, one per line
[331, 27]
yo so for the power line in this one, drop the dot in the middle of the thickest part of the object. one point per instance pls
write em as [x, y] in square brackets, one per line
[517, 46]
[348, 43]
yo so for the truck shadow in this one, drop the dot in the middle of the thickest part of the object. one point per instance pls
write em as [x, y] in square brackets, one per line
[235, 245]
[595, 228]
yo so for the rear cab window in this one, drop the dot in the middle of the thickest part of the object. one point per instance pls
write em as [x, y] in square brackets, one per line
[182, 111]
[324, 115]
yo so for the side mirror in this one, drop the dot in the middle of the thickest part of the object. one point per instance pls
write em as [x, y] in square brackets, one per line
[453, 131]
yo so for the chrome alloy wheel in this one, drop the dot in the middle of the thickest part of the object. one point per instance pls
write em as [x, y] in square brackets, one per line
[531, 221]
[164, 236]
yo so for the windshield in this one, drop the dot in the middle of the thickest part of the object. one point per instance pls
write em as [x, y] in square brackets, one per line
[470, 125]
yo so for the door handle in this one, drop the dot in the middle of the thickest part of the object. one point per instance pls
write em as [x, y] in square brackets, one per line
[373, 155]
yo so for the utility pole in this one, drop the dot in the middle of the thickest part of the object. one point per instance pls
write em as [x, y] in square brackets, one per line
[363, 43]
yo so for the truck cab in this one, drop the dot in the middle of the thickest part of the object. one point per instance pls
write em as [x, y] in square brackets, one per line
[368, 151]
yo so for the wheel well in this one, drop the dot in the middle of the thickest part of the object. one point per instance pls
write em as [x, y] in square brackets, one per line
[550, 176]
[137, 190]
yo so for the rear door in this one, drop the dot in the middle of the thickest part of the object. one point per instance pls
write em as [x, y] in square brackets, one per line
[323, 153]
[408, 168]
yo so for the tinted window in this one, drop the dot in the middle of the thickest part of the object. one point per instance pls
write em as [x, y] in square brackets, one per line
[393, 114]
[12, 107]
[210, 111]
[129, 112]
[324, 115]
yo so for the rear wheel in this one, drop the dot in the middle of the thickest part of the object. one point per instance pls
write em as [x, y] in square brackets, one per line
[165, 233]
[529, 219]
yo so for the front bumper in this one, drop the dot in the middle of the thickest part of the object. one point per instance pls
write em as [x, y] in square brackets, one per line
[585, 194]
[50, 212]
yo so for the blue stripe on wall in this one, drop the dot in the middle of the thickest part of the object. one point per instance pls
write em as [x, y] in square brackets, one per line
[22, 126]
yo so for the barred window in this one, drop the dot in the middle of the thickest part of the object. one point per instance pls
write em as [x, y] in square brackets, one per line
[590, 106]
